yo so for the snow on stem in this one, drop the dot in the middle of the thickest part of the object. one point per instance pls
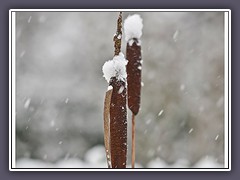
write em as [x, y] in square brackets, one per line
[133, 31]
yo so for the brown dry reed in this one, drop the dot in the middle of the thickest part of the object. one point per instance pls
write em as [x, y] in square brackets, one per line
[134, 71]
[134, 66]
[116, 113]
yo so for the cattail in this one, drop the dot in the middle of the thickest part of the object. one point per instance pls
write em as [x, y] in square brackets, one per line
[133, 31]
[118, 124]
[115, 73]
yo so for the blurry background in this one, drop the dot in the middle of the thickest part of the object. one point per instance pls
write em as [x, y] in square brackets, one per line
[60, 89]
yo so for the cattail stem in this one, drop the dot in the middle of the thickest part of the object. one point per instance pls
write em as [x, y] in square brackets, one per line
[133, 140]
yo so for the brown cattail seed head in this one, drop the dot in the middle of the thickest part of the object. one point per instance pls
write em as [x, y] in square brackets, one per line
[134, 71]
[118, 124]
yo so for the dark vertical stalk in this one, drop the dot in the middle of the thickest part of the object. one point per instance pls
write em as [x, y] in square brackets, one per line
[118, 124]
[134, 70]
[118, 111]
[133, 140]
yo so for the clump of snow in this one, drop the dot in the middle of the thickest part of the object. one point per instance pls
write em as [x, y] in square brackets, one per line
[131, 41]
[160, 113]
[157, 163]
[175, 35]
[208, 162]
[109, 88]
[182, 87]
[66, 100]
[96, 155]
[52, 124]
[115, 68]
[27, 103]
[190, 131]
[29, 19]
[133, 27]
[120, 89]
[96, 158]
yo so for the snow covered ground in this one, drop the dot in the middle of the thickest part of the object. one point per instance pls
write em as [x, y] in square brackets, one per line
[95, 158]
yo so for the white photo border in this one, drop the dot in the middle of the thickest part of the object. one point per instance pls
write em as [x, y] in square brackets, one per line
[12, 89]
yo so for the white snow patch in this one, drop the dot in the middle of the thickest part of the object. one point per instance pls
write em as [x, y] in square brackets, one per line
[96, 155]
[109, 88]
[66, 100]
[175, 35]
[119, 36]
[29, 19]
[142, 84]
[32, 163]
[208, 162]
[160, 113]
[140, 67]
[182, 87]
[216, 138]
[133, 27]
[131, 41]
[96, 158]
[52, 124]
[156, 163]
[27, 103]
[190, 131]
[120, 89]
[115, 68]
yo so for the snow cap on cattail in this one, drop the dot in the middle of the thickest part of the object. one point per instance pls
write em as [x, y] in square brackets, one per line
[133, 27]
[115, 68]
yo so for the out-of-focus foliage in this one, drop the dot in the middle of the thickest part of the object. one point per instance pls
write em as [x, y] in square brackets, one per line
[60, 88]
